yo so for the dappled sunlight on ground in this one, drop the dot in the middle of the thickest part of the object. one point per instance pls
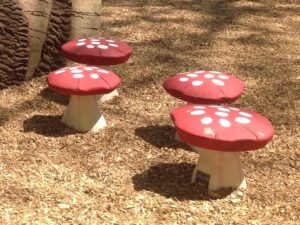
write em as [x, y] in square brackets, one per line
[133, 171]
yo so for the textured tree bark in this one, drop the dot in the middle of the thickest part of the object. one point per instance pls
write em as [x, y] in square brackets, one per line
[14, 43]
[32, 31]
[58, 32]
[37, 15]
[85, 18]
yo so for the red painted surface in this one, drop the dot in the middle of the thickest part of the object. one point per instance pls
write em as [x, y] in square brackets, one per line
[83, 80]
[97, 51]
[204, 87]
[222, 128]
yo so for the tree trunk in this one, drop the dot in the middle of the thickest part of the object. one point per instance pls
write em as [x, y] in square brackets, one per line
[14, 43]
[32, 31]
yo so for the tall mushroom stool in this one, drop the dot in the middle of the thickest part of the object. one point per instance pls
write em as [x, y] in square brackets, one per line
[204, 87]
[220, 133]
[97, 51]
[83, 83]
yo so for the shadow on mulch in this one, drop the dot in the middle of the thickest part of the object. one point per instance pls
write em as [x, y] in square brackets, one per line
[172, 180]
[47, 126]
[50, 95]
[4, 115]
[160, 136]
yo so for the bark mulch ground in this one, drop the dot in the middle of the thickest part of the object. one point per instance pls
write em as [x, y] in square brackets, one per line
[133, 172]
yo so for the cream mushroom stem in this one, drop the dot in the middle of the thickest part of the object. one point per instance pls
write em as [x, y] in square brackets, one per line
[83, 114]
[110, 95]
[224, 169]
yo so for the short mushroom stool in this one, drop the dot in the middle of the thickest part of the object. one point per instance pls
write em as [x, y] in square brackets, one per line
[83, 83]
[220, 133]
[204, 87]
[97, 51]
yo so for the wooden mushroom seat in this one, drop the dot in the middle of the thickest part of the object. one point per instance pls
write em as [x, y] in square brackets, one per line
[99, 51]
[83, 84]
[220, 133]
[204, 87]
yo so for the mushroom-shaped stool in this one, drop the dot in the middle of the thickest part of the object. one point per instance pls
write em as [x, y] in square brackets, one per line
[97, 51]
[83, 83]
[204, 87]
[220, 133]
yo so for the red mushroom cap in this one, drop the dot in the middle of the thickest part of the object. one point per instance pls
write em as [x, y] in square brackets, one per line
[83, 80]
[222, 128]
[97, 51]
[204, 87]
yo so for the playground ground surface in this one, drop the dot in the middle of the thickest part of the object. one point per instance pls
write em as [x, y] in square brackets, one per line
[133, 172]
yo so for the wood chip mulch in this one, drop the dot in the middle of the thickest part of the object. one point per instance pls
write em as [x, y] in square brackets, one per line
[133, 172]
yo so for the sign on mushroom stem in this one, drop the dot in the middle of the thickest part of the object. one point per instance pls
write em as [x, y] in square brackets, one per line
[83, 83]
[220, 133]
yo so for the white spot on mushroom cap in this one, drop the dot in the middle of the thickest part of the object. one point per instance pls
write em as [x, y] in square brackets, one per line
[95, 43]
[90, 46]
[217, 72]
[197, 112]
[102, 46]
[218, 82]
[209, 75]
[206, 120]
[102, 71]
[83, 39]
[199, 107]
[78, 75]
[235, 109]
[245, 114]
[191, 75]
[113, 45]
[224, 122]
[60, 71]
[222, 114]
[219, 111]
[223, 109]
[224, 77]
[94, 76]
[111, 41]
[76, 71]
[80, 43]
[260, 133]
[88, 68]
[197, 82]
[209, 131]
[242, 120]
[183, 79]
[73, 68]
[200, 71]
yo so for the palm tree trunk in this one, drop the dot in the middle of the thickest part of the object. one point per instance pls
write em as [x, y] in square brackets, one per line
[32, 31]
